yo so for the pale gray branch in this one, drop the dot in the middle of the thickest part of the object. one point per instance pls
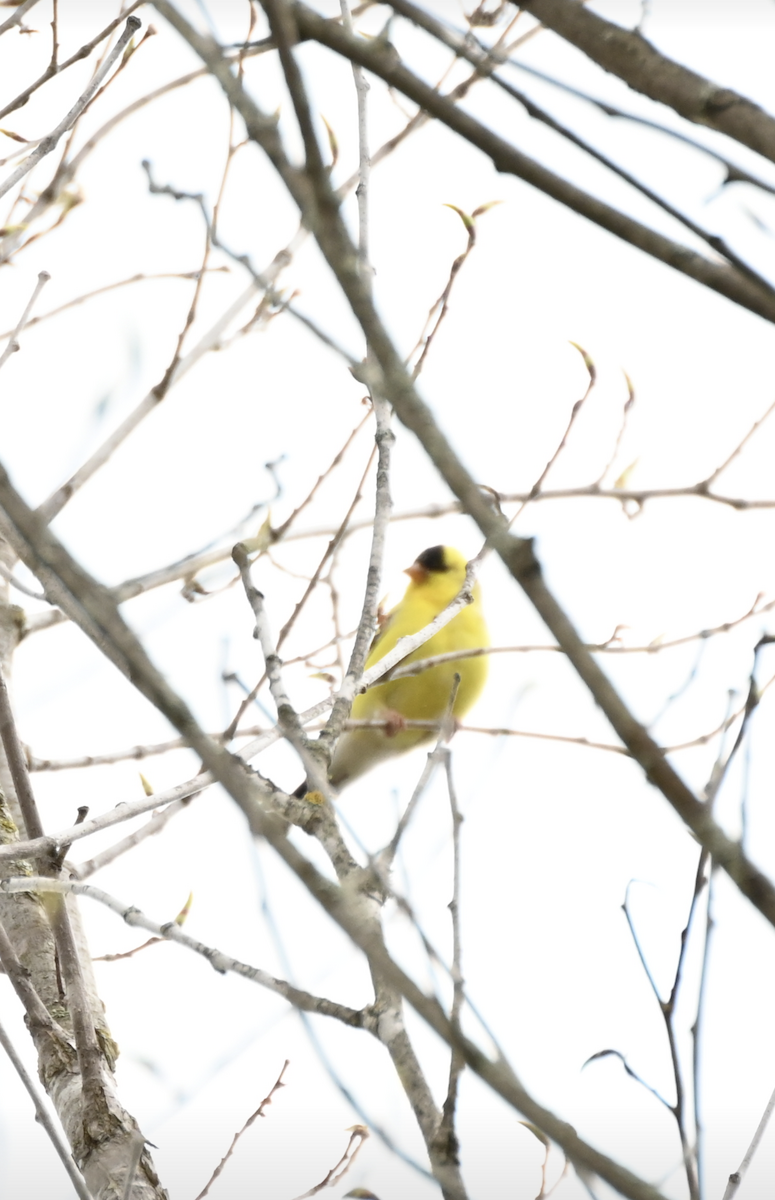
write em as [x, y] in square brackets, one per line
[18, 15]
[49, 143]
[170, 931]
[42, 1115]
[13, 340]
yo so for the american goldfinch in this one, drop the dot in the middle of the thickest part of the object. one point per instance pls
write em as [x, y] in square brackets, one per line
[436, 577]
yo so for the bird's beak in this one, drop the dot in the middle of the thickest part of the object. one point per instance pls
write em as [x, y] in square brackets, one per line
[416, 573]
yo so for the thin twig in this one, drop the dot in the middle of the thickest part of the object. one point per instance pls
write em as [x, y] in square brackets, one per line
[734, 172]
[736, 1178]
[456, 1062]
[13, 340]
[180, 919]
[364, 160]
[157, 822]
[608, 1053]
[50, 843]
[330, 550]
[488, 60]
[127, 811]
[358, 1136]
[446, 728]
[626, 412]
[288, 720]
[262, 280]
[20, 587]
[667, 1009]
[16, 19]
[261, 633]
[172, 932]
[727, 279]
[140, 277]
[258, 1113]
[739, 447]
[280, 532]
[383, 504]
[627, 55]
[574, 412]
[84, 52]
[440, 307]
[751, 704]
[640, 496]
[47, 144]
[42, 1115]
[697, 1031]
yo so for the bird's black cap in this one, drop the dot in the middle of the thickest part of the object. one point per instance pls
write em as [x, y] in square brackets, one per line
[433, 559]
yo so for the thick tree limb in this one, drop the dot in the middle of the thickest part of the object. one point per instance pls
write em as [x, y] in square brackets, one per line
[382, 60]
[625, 53]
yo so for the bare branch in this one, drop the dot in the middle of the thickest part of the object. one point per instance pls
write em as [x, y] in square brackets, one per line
[170, 931]
[58, 499]
[358, 1136]
[456, 1062]
[383, 505]
[13, 340]
[667, 1009]
[51, 843]
[42, 1115]
[384, 62]
[640, 496]
[487, 61]
[738, 448]
[96, 1106]
[16, 18]
[17, 764]
[736, 1178]
[258, 1113]
[84, 52]
[49, 143]
[574, 412]
[625, 53]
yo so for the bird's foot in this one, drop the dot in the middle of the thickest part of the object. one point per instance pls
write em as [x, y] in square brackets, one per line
[394, 722]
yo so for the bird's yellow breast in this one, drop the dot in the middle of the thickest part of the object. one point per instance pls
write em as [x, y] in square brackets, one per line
[426, 697]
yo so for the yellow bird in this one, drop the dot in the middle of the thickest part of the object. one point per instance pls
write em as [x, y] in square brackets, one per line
[436, 577]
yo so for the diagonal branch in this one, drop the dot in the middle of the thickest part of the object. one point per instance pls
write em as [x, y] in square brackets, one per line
[56, 69]
[625, 53]
[383, 61]
[16, 19]
[171, 931]
[49, 143]
[487, 60]
[43, 1117]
